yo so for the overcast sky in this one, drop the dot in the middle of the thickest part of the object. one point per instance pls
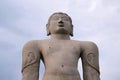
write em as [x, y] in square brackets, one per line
[93, 20]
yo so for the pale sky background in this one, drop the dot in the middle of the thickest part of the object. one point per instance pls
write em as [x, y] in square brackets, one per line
[93, 20]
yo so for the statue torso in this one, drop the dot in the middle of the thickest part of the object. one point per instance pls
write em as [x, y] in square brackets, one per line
[60, 58]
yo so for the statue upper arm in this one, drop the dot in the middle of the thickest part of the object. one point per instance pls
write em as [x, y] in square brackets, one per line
[30, 54]
[90, 61]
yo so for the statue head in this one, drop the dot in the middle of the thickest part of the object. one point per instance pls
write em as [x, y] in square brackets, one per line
[59, 23]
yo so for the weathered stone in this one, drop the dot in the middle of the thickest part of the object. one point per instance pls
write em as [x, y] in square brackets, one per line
[59, 54]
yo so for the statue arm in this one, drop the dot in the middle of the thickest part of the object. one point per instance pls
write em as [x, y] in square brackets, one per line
[30, 61]
[90, 62]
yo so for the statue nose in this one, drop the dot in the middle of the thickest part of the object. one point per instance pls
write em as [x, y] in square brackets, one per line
[60, 20]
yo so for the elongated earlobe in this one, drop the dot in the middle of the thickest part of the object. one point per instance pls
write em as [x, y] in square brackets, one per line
[71, 33]
[47, 28]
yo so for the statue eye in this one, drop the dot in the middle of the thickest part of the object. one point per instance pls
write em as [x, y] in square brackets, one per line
[65, 19]
[56, 18]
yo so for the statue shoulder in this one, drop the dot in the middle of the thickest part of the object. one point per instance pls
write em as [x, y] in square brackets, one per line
[88, 45]
[33, 44]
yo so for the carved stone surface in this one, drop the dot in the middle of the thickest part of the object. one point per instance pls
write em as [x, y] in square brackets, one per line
[59, 54]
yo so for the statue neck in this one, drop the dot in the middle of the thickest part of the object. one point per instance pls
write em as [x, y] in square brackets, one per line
[60, 36]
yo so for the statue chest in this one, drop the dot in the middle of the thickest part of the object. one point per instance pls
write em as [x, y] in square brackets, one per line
[61, 50]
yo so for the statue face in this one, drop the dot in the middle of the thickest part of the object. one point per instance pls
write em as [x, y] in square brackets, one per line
[60, 24]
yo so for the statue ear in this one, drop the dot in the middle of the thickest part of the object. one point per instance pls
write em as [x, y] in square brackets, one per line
[71, 33]
[47, 28]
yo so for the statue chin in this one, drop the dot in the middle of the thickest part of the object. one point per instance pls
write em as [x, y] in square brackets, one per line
[62, 30]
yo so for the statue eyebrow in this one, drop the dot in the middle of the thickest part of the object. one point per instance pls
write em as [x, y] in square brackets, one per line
[63, 17]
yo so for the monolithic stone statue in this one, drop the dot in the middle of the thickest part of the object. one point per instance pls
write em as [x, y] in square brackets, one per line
[59, 54]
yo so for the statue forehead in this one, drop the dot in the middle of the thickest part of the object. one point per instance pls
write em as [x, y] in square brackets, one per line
[59, 14]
